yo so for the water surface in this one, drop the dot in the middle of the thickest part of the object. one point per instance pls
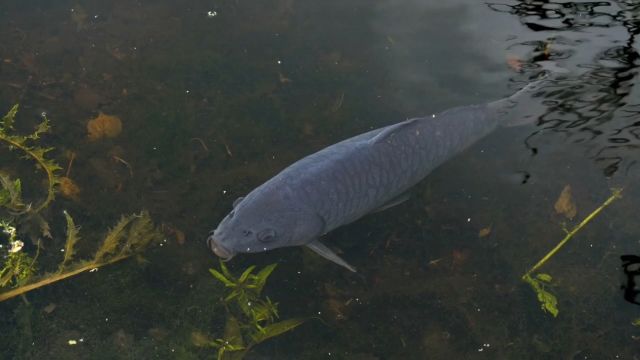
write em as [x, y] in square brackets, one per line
[216, 97]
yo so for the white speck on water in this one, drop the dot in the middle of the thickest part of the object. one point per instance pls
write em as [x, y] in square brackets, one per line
[279, 62]
[188, 91]
[212, 13]
[93, 270]
[106, 319]
[468, 219]
[72, 342]
[433, 115]
[224, 191]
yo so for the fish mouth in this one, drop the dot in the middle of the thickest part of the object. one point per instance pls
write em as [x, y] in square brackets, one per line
[219, 250]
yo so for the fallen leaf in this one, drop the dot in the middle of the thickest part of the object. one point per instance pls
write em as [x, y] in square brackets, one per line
[104, 126]
[515, 63]
[49, 308]
[180, 238]
[459, 257]
[484, 232]
[68, 188]
[200, 339]
[565, 205]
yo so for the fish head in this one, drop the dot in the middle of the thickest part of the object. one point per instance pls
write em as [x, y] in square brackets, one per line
[262, 222]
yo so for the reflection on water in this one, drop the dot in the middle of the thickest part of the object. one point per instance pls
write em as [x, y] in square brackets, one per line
[213, 105]
[595, 103]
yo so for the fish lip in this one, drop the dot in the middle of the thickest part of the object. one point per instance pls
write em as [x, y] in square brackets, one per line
[219, 250]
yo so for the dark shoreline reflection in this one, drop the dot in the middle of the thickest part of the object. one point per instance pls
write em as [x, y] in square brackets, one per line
[595, 107]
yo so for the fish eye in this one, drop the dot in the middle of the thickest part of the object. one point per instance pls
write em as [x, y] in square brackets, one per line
[247, 232]
[211, 232]
[267, 235]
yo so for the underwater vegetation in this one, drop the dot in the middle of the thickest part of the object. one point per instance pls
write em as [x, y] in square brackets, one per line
[540, 282]
[130, 236]
[251, 318]
[26, 145]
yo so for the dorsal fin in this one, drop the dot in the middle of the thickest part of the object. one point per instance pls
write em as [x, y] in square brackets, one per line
[392, 129]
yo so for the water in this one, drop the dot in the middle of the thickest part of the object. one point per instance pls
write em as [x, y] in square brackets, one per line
[216, 97]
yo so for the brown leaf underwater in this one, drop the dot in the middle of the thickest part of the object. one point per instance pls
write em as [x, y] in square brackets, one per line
[565, 204]
[103, 126]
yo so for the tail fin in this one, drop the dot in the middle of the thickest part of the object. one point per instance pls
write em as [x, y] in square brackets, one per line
[522, 108]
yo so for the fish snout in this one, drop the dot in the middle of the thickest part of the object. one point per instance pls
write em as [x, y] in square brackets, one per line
[218, 249]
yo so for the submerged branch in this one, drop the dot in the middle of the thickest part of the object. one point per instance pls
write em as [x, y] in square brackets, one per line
[616, 194]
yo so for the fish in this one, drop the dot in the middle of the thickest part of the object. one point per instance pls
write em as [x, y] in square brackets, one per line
[363, 174]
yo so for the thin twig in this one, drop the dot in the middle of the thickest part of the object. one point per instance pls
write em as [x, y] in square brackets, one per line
[614, 196]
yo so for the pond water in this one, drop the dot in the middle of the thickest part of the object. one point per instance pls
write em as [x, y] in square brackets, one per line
[215, 97]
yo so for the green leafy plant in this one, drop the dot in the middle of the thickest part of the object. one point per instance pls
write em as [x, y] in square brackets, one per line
[18, 267]
[541, 282]
[251, 318]
[130, 236]
[11, 195]
[26, 144]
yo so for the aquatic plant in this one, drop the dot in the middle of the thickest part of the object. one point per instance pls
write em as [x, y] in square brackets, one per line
[130, 236]
[18, 267]
[30, 150]
[541, 281]
[251, 318]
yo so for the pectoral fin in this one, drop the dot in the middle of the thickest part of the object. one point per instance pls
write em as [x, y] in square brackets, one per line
[393, 202]
[320, 249]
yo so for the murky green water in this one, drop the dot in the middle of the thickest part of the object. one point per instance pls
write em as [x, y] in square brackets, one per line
[215, 97]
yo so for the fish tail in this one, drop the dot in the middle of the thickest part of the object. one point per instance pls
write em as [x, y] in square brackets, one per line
[524, 107]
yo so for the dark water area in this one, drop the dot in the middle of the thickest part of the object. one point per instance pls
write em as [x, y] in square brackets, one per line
[215, 97]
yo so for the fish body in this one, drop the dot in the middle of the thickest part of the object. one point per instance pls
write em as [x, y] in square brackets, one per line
[345, 181]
